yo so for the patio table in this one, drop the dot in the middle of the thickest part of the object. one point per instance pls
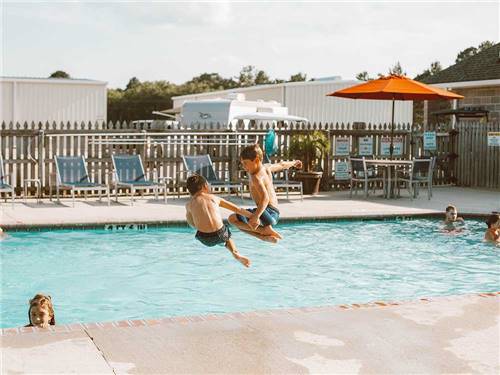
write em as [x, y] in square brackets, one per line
[388, 165]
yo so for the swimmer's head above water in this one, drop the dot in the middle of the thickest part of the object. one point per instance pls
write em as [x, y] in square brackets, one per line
[493, 221]
[451, 213]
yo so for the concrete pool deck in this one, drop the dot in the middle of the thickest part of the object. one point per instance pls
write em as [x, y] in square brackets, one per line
[325, 205]
[459, 334]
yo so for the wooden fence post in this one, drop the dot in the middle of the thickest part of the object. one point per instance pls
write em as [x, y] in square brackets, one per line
[41, 159]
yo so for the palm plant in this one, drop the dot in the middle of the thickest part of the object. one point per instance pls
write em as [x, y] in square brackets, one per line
[309, 148]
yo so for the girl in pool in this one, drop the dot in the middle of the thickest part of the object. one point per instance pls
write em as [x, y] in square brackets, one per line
[492, 234]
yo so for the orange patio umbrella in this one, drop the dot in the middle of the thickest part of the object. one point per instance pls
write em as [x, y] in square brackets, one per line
[395, 87]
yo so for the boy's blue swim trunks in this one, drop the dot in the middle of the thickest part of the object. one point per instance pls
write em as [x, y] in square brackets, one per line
[219, 237]
[270, 216]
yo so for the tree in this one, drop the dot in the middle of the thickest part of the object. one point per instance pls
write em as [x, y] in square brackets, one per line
[247, 76]
[471, 51]
[485, 45]
[466, 53]
[433, 69]
[59, 74]
[299, 77]
[363, 76]
[132, 83]
[397, 70]
[262, 78]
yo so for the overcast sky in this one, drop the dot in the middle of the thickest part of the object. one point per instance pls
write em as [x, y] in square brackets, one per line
[175, 41]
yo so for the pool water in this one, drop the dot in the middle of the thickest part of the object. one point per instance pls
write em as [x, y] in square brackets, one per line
[100, 275]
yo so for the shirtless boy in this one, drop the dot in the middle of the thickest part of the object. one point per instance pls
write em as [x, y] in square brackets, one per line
[263, 194]
[202, 213]
[492, 234]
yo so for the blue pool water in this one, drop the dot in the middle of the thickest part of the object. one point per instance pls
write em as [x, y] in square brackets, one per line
[98, 275]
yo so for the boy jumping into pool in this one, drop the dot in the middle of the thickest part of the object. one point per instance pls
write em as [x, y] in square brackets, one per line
[451, 220]
[263, 194]
[202, 213]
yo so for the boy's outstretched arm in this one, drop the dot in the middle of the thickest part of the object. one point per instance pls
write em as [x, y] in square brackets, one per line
[278, 167]
[232, 207]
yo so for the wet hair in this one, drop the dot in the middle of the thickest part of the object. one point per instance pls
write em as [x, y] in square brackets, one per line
[492, 219]
[195, 183]
[450, 207]
[252, 152]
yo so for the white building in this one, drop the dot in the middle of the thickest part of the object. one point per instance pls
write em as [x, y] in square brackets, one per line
[309, 100]
[52, 99]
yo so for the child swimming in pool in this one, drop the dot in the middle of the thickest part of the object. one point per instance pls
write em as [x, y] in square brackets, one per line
[263, 194]
[492, 234]
[452, 222]
[202, 213]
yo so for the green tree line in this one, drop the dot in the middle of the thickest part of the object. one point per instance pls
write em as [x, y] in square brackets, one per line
[139, 99]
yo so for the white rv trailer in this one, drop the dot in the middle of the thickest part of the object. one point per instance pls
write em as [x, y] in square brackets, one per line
[309, 100]
[228, 111]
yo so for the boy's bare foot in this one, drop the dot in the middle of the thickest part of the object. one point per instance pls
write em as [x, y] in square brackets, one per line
[269, 231]
[269, 239]
[243, 260]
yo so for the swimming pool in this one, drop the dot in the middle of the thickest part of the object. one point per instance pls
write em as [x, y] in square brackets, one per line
[100, 275]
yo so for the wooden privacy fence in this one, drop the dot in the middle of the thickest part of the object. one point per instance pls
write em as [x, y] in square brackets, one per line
[28, 149]
[478, 165]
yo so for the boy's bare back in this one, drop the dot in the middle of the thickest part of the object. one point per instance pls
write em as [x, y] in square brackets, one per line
[205, 213]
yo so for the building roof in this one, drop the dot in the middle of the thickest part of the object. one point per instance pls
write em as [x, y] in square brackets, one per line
[483, 66]
[321, 81]
[52, 80]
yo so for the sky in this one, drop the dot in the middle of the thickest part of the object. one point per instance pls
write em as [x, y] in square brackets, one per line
[175, 41]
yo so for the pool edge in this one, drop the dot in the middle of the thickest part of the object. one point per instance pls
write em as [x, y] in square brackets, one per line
[183, 223]
[189, 319]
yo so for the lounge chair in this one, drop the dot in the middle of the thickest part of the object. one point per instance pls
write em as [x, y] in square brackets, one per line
[285, 182]
[202, 165]
[419, 173]
[361, 173]
[128, 172]
[72, 174]
[5, 187]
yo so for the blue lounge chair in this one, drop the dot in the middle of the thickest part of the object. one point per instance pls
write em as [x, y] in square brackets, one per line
[72, 174]
[5, 187]
[129, 172]
[202, 165]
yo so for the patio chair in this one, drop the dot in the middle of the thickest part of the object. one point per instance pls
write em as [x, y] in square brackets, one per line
[360, 172]
[202, 165]
[288, 184]
[285, 183]
[419, 173]
[5, 187]
[128, 172]
[72, 174]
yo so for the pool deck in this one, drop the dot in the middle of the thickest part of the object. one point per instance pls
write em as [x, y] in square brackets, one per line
[459, 334]
[325, 205]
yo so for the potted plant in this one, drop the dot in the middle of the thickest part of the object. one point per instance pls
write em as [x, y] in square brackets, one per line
[309, 148]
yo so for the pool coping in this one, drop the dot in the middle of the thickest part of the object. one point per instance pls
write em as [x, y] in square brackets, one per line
[190, 319]
[183, 223]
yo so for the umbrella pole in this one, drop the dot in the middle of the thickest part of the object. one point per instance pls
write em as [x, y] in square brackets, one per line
[391, 148]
